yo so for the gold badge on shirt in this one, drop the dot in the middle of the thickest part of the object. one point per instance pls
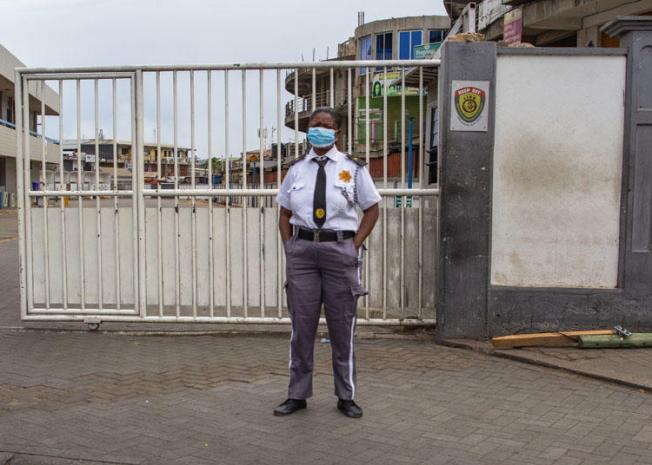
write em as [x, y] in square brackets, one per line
[345, 176]
[320, 213]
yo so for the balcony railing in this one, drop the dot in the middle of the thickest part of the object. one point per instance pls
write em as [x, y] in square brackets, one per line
[9, 124]
[303, 104]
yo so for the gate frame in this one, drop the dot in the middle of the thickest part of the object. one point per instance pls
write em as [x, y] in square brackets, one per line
[138, 192]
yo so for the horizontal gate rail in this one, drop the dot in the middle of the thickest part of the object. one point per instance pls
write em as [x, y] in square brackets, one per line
[201, 251]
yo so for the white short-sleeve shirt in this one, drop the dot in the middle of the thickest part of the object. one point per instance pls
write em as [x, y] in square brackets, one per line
[348, 184]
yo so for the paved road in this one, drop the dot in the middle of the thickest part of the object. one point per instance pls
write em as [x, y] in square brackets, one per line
[79, 397]
[208, 399]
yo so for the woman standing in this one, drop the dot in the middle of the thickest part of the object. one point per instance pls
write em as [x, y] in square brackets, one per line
[323, 248]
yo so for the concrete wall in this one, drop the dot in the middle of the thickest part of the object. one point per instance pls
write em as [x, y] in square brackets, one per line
[546, 218]
[557, 169]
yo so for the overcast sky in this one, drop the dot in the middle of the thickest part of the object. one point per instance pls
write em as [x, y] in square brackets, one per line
[114, 32]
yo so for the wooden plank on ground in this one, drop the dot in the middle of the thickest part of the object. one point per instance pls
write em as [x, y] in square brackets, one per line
[558, 339]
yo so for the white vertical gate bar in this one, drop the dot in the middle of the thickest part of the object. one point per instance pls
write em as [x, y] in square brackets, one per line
[366, 153]
[140, 170]
[296, 112]
[403, 198]
[28, 201]
[261, 206]
[227, 208]
[159, 222]
[44, 180]
[279, 269]
[100, 296]
[244, 200]
[21, 153]
[421, 153]
[80, 202]
[62, 211]
[349, 118]
[135, 192]
[177, 260]
[384, 200]
[116, 216]
[332, 88]
[211, 260]
[314, 89]
[193, 224]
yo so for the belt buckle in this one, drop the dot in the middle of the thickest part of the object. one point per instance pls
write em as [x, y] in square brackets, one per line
[315, 236]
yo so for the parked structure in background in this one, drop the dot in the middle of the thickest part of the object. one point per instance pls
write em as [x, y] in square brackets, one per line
[50, 101]
[550, 23]
[414, 37]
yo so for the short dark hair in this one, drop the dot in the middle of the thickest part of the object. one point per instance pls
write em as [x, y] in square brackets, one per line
[331, 112]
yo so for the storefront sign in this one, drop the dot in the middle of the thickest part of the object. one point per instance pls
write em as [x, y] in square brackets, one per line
[513, 26]
[426, 51]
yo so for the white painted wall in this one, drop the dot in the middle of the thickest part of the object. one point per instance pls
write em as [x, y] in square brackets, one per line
[557, 171]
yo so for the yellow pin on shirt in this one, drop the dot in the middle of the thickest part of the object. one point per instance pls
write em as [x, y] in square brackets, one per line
[320, 213]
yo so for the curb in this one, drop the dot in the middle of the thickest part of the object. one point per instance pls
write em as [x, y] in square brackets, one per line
[476, 346]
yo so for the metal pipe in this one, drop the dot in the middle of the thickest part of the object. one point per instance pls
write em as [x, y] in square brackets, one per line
[366, 151]
[227, 213]
[62, 211]
[116, 217]
[332, 88]
[77, 193]
[177, 260]
[263, 192]
[349, 119]
[22, 198]
[279, 245]
[261, 206]
[245, 242]
[80, 187]
[385, 155]
[421, 153]
[106, 71]
[46, 244]
[159, 221]
[234, 320]
[403, 199]
[100, 296]
[139, 169]
[211, 259]
[314, 89]
[193, 223]
[296, 113]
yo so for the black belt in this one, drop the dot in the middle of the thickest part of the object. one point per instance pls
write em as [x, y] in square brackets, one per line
[324, 236]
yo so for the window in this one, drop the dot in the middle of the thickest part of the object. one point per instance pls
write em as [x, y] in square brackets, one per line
[437, 35]
[384, 46]
[365, 51]
[407, 41]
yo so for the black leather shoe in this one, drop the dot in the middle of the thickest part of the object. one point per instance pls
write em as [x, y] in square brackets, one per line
[349, 408]
[289, 406]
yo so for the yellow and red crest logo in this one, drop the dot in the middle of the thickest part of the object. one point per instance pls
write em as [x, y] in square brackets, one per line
[469, 103]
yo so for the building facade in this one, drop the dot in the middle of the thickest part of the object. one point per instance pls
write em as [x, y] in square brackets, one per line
[414, 37]
[8, 63]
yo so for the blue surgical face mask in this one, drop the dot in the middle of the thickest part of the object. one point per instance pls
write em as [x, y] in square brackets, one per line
[321, 137]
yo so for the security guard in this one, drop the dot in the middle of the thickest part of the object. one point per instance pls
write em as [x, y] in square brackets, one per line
[323, 250]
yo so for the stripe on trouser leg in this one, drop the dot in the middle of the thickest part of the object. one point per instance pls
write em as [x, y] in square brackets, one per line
[351, 359]
[290, 348]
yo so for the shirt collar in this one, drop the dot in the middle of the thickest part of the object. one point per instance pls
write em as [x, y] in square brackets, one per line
[332, 153]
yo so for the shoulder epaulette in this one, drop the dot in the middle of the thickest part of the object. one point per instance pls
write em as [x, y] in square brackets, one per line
[296, 160]
[356, 161]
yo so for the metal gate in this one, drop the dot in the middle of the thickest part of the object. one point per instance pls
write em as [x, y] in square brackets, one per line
[123, 226]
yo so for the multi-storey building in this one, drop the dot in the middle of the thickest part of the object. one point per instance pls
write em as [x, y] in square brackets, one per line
[8, 146]
[404, 38]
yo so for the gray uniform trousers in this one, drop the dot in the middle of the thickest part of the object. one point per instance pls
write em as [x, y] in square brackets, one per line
[328, 273]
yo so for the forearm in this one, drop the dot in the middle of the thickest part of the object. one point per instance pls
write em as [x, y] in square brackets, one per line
[366, 225]
[284, 225]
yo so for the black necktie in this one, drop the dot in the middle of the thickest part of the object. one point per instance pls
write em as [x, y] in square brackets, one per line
[319, 200]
